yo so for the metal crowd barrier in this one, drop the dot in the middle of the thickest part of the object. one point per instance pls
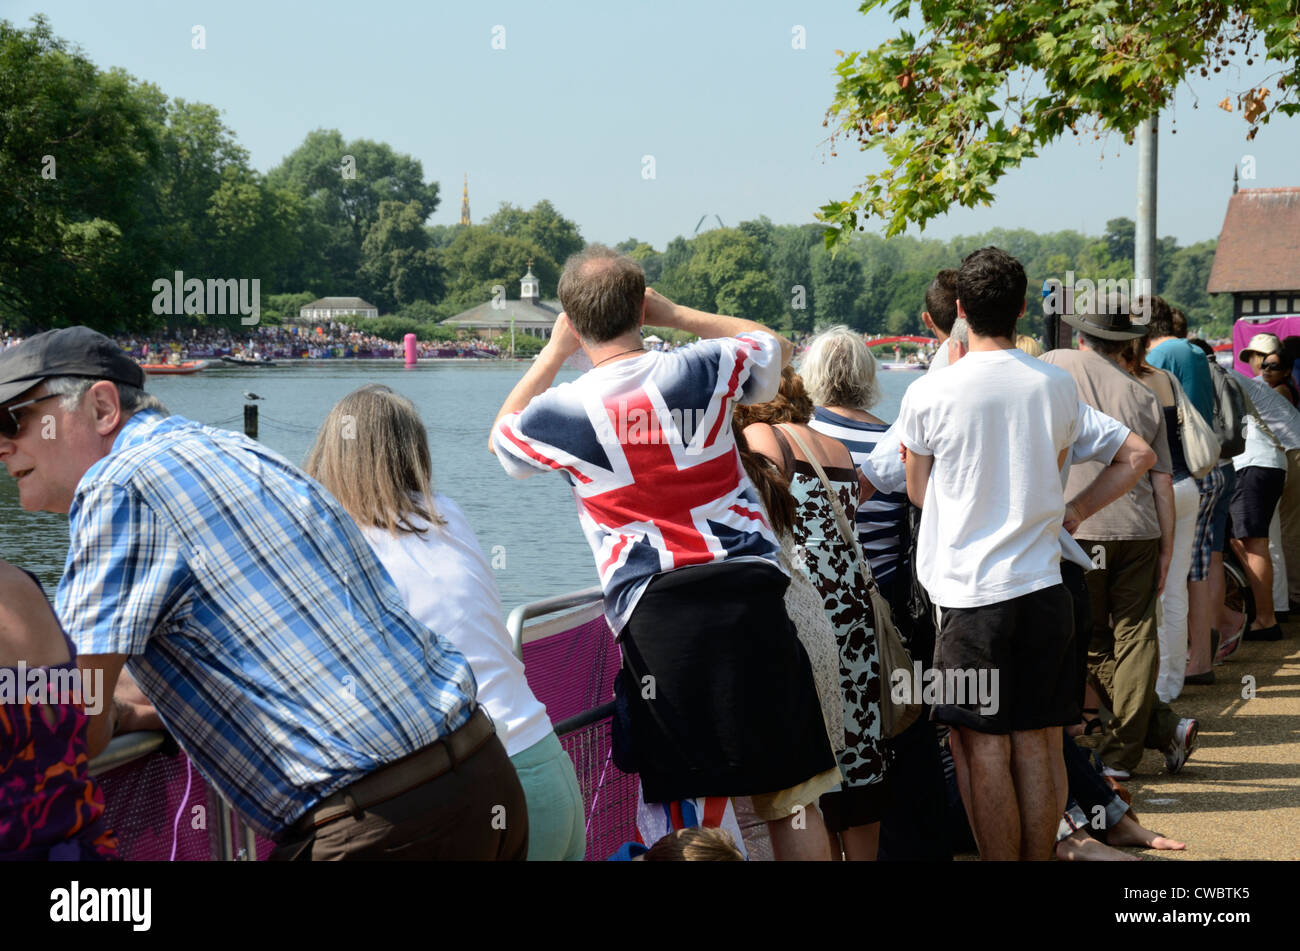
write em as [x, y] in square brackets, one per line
[161, 809]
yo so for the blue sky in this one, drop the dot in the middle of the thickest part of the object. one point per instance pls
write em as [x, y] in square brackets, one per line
[583, 90]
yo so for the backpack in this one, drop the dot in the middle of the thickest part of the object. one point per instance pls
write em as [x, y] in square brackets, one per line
[1229, 411]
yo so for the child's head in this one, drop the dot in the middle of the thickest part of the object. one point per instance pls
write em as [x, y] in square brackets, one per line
[695, 845]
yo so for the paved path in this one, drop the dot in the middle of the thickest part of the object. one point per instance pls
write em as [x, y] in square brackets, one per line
[1238, 797]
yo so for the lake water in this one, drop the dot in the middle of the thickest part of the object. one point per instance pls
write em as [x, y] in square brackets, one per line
[534, 521]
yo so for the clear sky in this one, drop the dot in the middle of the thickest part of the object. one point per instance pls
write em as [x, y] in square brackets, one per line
[582, 91]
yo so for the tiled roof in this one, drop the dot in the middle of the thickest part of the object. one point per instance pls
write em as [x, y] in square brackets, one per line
[339, 303]
[1259, 246]
[525, 313]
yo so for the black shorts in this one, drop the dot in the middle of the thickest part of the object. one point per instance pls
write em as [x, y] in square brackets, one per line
[1258, 491]
[1009, 666]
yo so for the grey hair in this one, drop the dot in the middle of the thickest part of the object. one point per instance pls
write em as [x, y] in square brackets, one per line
[961, 331]
[132, 399]
[839, 370]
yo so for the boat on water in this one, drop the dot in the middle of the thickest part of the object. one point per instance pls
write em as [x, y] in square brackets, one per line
[188, 366]
[900, 365]
[246, 362]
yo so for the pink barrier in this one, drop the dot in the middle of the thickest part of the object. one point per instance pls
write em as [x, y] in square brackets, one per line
[573, 672]
[161, 810]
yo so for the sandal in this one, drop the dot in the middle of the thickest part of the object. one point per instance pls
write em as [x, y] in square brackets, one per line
[1092, 724]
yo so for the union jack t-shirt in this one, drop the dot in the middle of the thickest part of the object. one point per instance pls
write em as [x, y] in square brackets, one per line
[646, 445]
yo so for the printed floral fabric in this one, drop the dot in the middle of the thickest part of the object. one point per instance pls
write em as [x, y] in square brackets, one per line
[832, 567]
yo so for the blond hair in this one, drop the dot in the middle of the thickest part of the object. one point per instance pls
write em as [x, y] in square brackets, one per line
[1029, 345]
[839, 370]
[372, 454]
[702, 844]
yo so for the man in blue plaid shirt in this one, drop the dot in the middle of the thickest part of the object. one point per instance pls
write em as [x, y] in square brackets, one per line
[255, 619]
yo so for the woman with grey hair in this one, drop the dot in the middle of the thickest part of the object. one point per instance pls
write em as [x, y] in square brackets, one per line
[839, 374]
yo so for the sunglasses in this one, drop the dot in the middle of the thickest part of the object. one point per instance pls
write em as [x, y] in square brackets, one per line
[1270, 366]
[11, 420]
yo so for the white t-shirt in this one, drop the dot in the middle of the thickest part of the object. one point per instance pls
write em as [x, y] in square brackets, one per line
[446, 583]
[996, 423]
[1260, 450]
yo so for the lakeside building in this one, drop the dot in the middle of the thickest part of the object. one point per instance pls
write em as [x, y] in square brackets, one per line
[529, 315]
[336, 308]
[1257, 259]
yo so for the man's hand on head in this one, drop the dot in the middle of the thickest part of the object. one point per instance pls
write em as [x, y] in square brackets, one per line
[564, 339]
[659, 310]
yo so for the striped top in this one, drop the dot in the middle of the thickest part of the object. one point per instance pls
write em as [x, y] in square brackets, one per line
[880, 518]
[255, 617]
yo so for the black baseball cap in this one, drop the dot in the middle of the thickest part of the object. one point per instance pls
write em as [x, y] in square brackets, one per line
[72, 351]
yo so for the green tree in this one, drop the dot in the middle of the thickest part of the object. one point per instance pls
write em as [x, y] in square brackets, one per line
[985, 84]
[342, 184]
[77, 147]
[542, 225]
[397, 264]
[479, 258]
[727, 269]
[837, 283]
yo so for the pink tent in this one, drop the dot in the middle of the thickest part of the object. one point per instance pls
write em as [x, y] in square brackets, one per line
[1244, 329]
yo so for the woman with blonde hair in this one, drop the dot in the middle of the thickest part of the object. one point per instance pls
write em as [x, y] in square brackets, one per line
[373, 455]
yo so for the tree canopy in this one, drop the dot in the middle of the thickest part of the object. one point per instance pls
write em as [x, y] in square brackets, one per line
[985, 84]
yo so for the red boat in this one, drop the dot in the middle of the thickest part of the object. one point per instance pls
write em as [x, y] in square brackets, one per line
[189, 366]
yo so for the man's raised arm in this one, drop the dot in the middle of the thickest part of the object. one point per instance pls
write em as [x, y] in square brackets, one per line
[1131, 462]
[661, 312]
[539, 377]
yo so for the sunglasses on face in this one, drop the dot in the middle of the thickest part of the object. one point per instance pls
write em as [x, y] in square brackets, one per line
[1270, 366]
[11, 418]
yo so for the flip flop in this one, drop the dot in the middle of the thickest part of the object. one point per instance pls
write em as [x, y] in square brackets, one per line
[1273, 633]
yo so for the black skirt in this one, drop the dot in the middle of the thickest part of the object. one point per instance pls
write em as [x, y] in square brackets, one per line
[716, 691]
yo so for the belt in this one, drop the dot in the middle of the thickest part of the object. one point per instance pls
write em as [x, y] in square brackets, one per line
[389, 782]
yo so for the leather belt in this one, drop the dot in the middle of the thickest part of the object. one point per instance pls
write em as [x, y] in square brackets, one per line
[389, 782]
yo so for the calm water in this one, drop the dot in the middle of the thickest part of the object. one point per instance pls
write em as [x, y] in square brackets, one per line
[534, 520]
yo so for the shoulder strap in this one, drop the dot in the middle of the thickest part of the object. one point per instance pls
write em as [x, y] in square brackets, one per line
[787, 456]
[846, 530]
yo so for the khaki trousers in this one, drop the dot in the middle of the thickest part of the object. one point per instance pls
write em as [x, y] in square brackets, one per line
[1124, 655]
[1290, 509]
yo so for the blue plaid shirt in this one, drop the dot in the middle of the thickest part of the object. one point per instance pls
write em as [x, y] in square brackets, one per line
[257, 619]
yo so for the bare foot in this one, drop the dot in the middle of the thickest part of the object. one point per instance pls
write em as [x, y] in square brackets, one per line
[1078, 846]
[1128, 832]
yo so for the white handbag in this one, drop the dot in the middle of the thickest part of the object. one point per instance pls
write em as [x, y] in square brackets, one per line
[1201, 446]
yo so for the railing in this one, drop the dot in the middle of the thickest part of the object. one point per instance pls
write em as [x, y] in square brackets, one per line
[162, 810]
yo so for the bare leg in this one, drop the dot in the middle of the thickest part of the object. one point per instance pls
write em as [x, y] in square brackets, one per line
[801, 837]
[861, 842]
[1253, 553]
[1199, 611]
[1035, 791]
[962, 764]
[1226, 621]
[837, 850]
[1060, 781]
[992, 806]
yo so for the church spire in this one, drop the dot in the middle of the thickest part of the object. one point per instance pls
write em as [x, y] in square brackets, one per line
[464, 202]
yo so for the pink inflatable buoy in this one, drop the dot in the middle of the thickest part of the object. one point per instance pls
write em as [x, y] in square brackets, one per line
[409, 345]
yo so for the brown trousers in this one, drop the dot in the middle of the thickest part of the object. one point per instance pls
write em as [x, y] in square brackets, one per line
[1124, 655]
[474, 812]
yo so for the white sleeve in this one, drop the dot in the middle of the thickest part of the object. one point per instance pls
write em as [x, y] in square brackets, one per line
[1098, 438]
[884, 467]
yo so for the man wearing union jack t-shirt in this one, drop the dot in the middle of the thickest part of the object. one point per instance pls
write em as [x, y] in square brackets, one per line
[718, 692]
